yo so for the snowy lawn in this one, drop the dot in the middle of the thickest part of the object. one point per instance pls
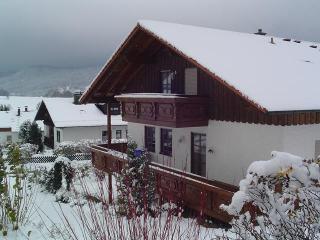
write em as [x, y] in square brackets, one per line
[87, 214]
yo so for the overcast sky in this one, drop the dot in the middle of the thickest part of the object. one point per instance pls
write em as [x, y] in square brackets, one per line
[85, 32]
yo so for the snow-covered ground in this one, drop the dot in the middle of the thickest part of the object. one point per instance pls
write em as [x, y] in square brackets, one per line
[53, 220]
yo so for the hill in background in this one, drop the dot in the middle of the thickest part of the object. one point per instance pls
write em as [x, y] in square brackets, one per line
[43, 80]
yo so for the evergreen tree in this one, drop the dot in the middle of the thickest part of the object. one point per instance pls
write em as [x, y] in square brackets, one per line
[136, 183]
[31, 133]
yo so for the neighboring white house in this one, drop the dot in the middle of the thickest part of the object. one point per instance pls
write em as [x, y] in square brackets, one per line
[66, 121]
[210, 101]
[20, 110]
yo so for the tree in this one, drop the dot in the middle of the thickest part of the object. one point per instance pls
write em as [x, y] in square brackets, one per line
[31, 133]
[136, 183]
[284, 194]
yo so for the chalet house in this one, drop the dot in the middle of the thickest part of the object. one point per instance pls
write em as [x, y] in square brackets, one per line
[66, 120]
[210, 102]
[14, 111]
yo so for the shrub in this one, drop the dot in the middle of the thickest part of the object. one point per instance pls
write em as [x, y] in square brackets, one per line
[61, 169]
[16, 194]
[284, 193]
[136, 183]
[31, 133]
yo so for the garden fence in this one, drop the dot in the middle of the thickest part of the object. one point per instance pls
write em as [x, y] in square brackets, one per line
[52, 158]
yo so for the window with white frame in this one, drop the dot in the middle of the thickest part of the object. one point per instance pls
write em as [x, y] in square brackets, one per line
[118, 134]
[104, 135]
[167, 77]
[58, 136]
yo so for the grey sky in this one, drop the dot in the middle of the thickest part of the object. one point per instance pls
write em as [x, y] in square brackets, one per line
[86, 32]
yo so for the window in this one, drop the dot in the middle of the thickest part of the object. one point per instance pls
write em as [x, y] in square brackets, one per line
[150, 139]
[9, 138]
[58, 137]
[118, 134]
[104, 136]
[167, 77]
[166, 142]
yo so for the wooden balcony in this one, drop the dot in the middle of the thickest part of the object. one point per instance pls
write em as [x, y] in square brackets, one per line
[192, 191]
[165, 109]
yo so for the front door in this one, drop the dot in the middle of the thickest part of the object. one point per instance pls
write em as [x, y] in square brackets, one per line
[198, 154]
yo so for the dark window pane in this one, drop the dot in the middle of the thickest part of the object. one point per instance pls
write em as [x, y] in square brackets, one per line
[118, 134]
[166, 81]
[166, 142]
[150, 140]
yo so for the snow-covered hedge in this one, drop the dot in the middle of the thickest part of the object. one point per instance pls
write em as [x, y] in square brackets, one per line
[285, 193]
[70, 148]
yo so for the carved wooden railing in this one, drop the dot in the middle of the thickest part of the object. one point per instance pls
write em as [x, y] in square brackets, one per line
[165, 110]
[190, 190]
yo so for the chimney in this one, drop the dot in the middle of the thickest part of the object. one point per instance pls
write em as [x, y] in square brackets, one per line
[260, 32]
[76, 97]
[19, 112]
[272, 41]
[26, 108]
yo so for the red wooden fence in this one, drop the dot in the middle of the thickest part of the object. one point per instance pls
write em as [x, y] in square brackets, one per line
[190, 190]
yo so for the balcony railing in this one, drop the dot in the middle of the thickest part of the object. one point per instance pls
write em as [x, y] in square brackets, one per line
[193, 191]
[165, 109]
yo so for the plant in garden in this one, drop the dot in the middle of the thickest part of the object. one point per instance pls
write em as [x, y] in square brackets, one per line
[16, 194]
[68, 148]
[31, 133]
[99, 220]
[61, 169]
[136, 183]
[284, 193]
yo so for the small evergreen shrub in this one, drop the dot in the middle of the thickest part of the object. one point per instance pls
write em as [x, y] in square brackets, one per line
[136, 183]
[53, 179]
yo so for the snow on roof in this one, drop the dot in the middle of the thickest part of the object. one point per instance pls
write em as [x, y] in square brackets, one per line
[282, 76]
[9, 119]
[66, 114]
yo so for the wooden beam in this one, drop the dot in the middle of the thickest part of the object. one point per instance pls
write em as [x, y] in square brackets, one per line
[109, 125]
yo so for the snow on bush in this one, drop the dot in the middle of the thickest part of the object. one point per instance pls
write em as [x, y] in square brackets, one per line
[70, 148]
[284, 195]
[27, 150]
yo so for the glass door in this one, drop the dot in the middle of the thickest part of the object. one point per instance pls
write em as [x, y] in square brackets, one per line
[198, 154]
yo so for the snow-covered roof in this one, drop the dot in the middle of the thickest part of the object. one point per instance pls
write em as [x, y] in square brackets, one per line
[66, 114]
[282, 76]
[9, 119]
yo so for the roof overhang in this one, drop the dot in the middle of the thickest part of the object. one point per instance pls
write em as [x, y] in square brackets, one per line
[102, 88]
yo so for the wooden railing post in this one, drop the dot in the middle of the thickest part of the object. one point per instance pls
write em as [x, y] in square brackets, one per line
[109, 124]
[110, 187]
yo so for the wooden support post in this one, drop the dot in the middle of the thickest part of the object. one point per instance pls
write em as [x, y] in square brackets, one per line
[110, 187]
[109, 124]
[109, 146]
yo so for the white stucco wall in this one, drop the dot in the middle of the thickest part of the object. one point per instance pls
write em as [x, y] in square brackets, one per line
[181, 142]
[3, 137]
[234, 145]
[79, 133]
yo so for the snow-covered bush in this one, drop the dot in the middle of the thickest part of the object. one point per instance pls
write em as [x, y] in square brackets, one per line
[70, 148]
[67, 148]
[284, 194]
[60, 171]
[27, 150]
[136, 183]
[30, 132]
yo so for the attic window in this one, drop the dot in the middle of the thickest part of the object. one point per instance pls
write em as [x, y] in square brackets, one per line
[286, 39]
